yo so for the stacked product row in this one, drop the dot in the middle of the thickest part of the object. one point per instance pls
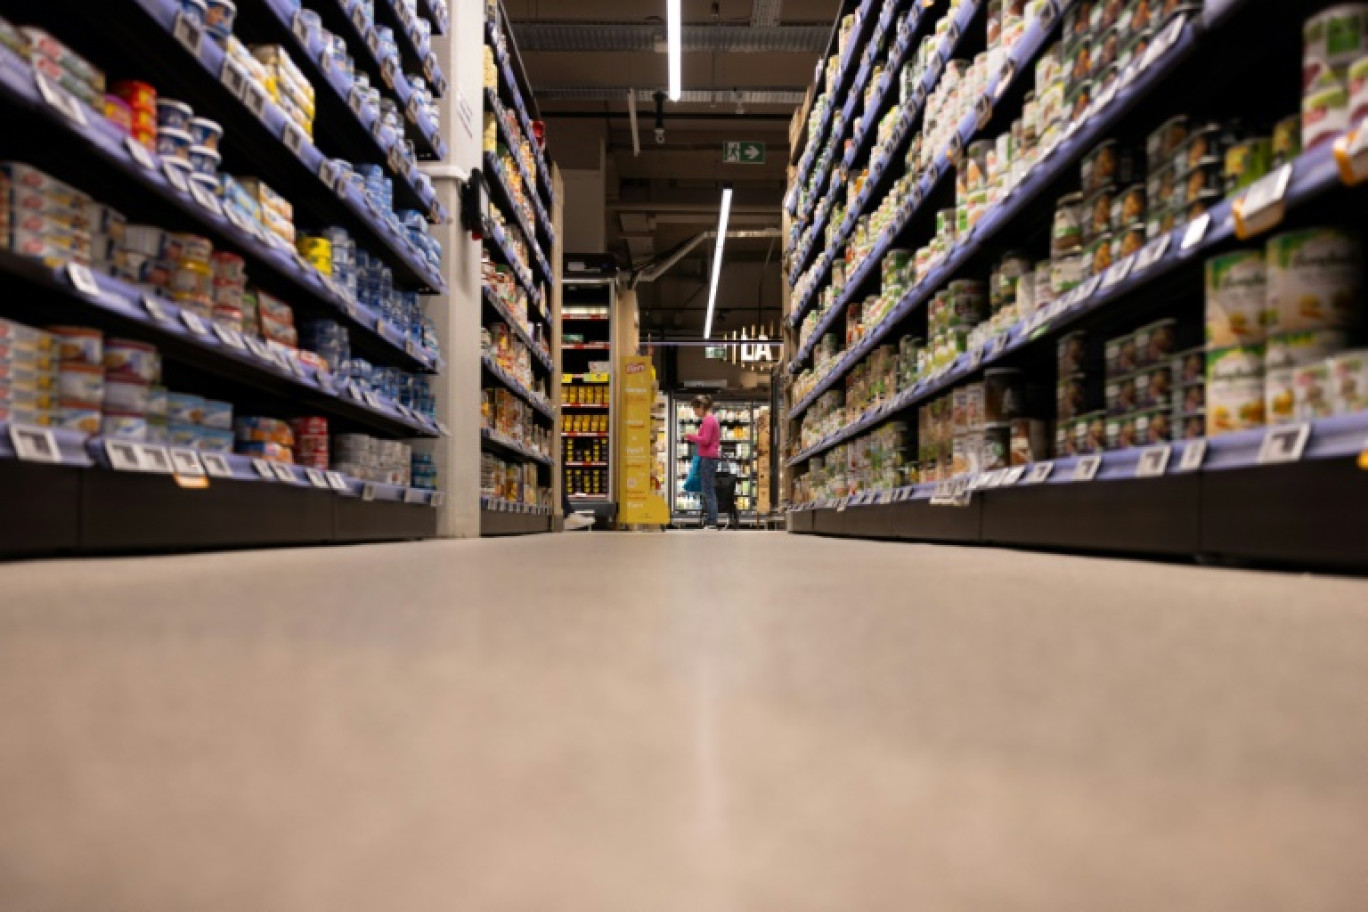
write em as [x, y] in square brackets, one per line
[512, 482]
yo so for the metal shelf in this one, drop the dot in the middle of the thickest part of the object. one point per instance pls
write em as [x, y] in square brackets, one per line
[509, 447]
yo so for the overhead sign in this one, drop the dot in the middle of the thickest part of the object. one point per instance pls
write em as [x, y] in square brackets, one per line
[743, 152]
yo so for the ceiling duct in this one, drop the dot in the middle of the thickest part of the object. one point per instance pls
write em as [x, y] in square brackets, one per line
[649, 272]
[751, 96]
[765, 13]
[635, 37]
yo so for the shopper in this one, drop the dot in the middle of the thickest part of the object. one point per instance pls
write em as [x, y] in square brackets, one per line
[709, 441]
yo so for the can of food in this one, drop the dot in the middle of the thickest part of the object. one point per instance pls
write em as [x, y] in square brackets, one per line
[205, 132]
[1161, 184]
[1156, 343]
[1311, 385]
[187, 248]
[1331, 41]
[1004, 394]
[182, 435]
[82, 417]
[1315, 278]
[1120, 395]
[1090, 433]
[1325, 114]
[1280, 401]
[1070, 396]
[1108, 163]
[1301, 348]
[126, 396]
[81, 382]
[1153, 427]
[1204, 179]
[124, 427]
[1287, 143]
[1246, 162]
[228, 268]
[996, 447]
[127, 359]
[1236, 295]
[1154, 387]
[79, 345]
[213, 440]
[172, 143]
[263, 429]
[205, 161]
[184, 409]
[1192, 398]
[1163, 144]
[216, 414]
[1099, 211]
[1349, 381]
[1099, 255]
[1234, 404]
[192, 282]
[1070, 352]
[118, 112]
[140, 96]
[219, 18]
[173, 115]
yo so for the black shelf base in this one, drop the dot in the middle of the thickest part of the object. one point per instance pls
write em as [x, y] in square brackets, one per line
[68, 511]
[1312, 515]
[494, 524]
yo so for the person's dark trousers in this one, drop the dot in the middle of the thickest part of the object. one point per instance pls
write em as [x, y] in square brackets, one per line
[707, 477]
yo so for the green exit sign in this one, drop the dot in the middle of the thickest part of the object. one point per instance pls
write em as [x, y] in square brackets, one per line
[743, 153]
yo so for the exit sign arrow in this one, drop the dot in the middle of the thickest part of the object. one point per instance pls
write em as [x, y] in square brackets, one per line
[743, 153]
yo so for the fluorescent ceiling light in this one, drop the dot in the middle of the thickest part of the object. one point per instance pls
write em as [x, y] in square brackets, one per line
[675, 29]
[717, 258]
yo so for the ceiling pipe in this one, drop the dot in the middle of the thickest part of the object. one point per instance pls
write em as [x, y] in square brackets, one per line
[638, 38]
[653, 270]
[755, 95]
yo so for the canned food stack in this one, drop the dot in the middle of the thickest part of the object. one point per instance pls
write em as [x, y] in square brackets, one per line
[264, 438]
[193, 421]
[1334, 72]
[189, 143]
[255, 199]
[229, 290]
[287, 85]
[1279, 324]
[48, 220]
[343, 263]
[132, 370]
[311, 448]
[1139, 388]
[329, 340]
[29, 361]
[274, 319]
[423, 472]
[368, 459]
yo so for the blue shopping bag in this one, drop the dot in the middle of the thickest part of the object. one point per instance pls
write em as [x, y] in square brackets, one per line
[692, 483]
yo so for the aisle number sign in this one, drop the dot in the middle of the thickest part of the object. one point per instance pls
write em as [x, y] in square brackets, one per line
[640, 505]
[743, 152]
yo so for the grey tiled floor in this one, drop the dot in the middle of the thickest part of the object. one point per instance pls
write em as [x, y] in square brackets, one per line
[679, 723]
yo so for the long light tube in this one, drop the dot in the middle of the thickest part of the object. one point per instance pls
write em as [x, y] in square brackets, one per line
[717, 258]
[675, 30]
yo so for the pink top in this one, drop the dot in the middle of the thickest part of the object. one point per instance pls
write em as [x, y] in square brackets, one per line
[708, 438]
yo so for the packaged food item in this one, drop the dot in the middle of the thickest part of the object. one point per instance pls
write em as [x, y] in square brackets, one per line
[126, 396]
[133, 360]
[1297, 349]
[1349, 381]
[1311, 384]
[1155, 343]
[219, 18]
[1234, 404]
[1004, 394]
[1236, 296]
[1314, 276]
[205, 161]
[1071, 351]
[263, 430]
[1331, 41]
[1325, 114]
[124, 427]
[80, 382]
[173, 143]
[184, 409]
[81, 417]
[217, 414]
[79, 344]
[1286, 141]
[1280, 400]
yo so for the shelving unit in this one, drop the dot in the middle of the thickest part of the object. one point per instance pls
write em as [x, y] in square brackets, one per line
[76, 489]
[588, 391]
[520, 246]
[1182, 490]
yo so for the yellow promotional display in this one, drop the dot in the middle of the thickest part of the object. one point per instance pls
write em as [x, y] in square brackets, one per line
[640, 505]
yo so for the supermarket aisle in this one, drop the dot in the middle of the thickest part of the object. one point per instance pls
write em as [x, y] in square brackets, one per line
[565, 723]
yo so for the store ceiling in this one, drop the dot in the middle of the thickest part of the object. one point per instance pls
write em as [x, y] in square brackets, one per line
[747, 66]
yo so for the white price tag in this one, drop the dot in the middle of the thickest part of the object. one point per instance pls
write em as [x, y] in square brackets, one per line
[316, 478]
[283, 472]
[1154, 251]
[194, 323]
[373, 400]
[34, 444]
[155, 459]
[175, 176]
[294, 138]
[1154, 461]
[1118, 273]
[368, 492]
[373, 42]
[1105, 98]
[1194, 454]
[206, 199]
[255, 98]
[230, 337]
[187, 462]
[1040, 473]
[353, 390]
[358, 18]
[1087, 468]
[123, 456]
[153, 305]
[337, 481]
[1284, 444]
[413, 496]
[60, 98]
[263, 468]
[1013, 476]
[1196, 231]
[330, 174]
[357, 102]
[234, 78]
[389, 68]
[443, 429]
[188, 32]
[216, 465]
[1263, 205]
[985, 111]
[256, 347]
[396, 159]
[138, 152]
[1005, 79]
[82, 279]
[438, 499]
[1086, 290]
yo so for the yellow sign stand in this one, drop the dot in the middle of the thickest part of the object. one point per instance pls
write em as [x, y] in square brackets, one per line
[640, 506]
